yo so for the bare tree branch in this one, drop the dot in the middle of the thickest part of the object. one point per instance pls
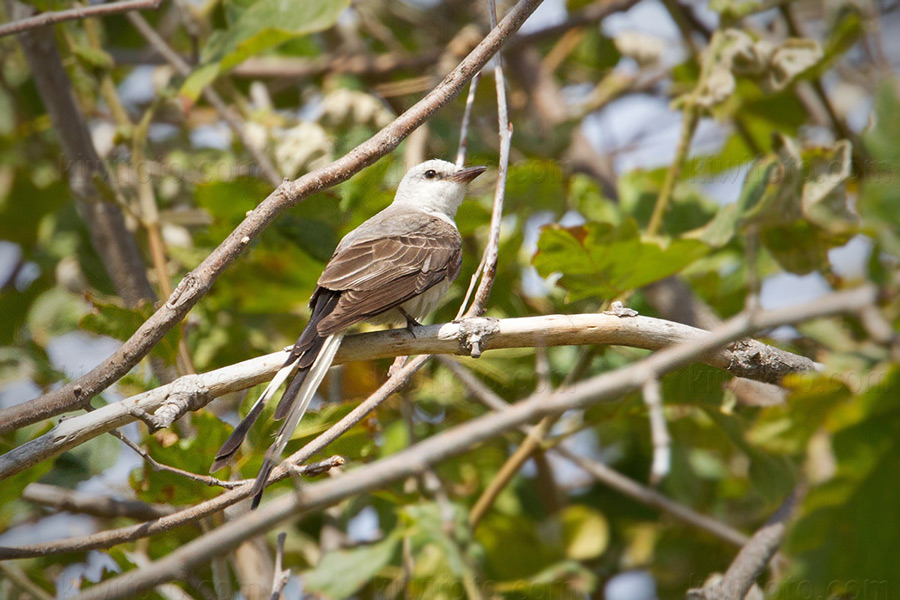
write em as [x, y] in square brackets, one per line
[416, 459]
[196, 283]
[587, 16]
[19, 579]
[161, 406]
[659, 432]
[64, 499]
[291, 67]
[281, 575]
[467, 116]
[80, 12]
[748, 565]
[488, 266]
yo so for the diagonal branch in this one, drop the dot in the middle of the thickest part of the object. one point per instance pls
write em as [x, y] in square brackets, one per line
[748, 565]
[80, 12]
[198, 282]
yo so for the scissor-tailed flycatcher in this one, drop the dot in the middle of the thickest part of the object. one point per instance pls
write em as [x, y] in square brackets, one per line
[394, 268]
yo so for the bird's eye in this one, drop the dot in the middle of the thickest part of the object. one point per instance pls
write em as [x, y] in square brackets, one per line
[430, 174]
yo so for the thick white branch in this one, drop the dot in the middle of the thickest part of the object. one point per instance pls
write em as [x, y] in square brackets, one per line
[160, 406]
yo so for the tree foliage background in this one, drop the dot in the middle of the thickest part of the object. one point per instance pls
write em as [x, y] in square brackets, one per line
[779, 169]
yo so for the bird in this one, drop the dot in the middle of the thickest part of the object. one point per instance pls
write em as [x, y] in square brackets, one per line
[394, 268]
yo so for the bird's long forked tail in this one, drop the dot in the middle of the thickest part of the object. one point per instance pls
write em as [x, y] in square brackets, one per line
[298, 407]
[237, 436]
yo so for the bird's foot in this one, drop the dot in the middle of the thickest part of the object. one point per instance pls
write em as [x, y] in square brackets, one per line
[411, 323]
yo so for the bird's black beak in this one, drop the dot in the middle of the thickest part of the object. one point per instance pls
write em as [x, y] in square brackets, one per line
[467, 175]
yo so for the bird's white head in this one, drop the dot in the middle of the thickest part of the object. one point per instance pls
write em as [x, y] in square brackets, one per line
[436, 185]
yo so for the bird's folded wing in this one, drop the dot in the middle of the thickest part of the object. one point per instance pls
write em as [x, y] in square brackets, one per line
[375, 275]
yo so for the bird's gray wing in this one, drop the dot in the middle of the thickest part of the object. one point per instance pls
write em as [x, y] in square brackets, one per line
[375, 274]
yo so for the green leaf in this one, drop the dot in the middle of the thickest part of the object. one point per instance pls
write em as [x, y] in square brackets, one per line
[25, 205]
[54, 313]
[342, 573]
[263, 25]
[85, 461]
[120, 323]
[94, 58]
[846, 536]
[537, 184]
[725, 224]
[201, 77]
[881, 194]
[797, 202]
[772, 476]
[192, 454]
[601, 260]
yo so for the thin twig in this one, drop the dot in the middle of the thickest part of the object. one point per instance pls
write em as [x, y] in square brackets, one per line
[860, 156]
[149, 213]
[212, 96]
[509, 469]
[690, 119]
[659, 432]
[198, 282]
[281, 575]
[467, 116]
[587, 16]
[73, 501]
[160, 467]
[81, 12]
[505, 128]
[18, 578]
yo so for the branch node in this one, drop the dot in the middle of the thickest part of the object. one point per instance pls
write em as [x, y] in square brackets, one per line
[188, 394]
[473, 332]
[617, 309]
[188, 282]
[313, 469]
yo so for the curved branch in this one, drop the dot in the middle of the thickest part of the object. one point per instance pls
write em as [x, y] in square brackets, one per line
[746, 358]
[196, 283]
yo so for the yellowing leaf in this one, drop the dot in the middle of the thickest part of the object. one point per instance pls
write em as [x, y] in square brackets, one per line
[585, 532]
